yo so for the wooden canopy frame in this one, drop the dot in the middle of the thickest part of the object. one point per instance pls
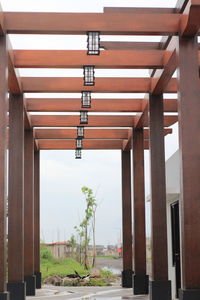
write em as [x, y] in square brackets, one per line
[35, 124]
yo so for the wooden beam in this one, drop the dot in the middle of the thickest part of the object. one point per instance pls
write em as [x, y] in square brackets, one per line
[161, 78]
[140, 10]
[98, 105]
[37, 272]
[102, 85]
[29, 213]
[123, 134]
[2, 32]
[140, 279]
[129, 45]
[3, 163]
[190, 21]
[14, 82]
[16, 284]
[188, 76]
[127, 272]
[88, 133]
[87, 144]
[74, 121]
[109, 23]
[93, 121]
[121, 59]
[160, 287]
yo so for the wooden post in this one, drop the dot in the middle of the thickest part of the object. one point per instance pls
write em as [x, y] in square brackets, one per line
[37, 219]
[3, 162]
[127, 272]
[29, 213]
[16, 285]
[160, 286]
[189, 126]
[140, 279]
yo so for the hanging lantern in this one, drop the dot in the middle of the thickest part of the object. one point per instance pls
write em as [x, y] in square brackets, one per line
[88, 72]
[93, 43]
[86, 99]
[80, 132]
[79, 143]
[83, 117]
[78, 153]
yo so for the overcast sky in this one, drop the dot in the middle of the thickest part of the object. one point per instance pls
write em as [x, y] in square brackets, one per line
[62, 176]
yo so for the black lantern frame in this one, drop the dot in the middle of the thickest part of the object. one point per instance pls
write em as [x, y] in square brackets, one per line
[83, 117]
[78, 154]
[79, 143]
[80, 132]
[86, 99]
[88, 72]
[93, 42]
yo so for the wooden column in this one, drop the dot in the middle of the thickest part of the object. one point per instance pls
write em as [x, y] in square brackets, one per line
[16, 284]
[29, 213]
[3, 163]
[127, 272]
[140, 279]
[160, 286]
[37, 219]
[189, 139]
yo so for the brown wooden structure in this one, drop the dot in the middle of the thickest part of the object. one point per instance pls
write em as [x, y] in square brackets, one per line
[143, 126]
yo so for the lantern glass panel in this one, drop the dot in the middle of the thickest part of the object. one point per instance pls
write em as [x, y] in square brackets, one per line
[80, 132]
[88, 72]
[93, 43]
[84, 117]
[78, 143]
[78, 153]
[86, 99]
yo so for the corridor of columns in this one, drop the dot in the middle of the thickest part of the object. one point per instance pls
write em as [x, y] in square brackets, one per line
[102, 110]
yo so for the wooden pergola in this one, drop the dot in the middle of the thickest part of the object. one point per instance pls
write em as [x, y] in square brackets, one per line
[28, 125]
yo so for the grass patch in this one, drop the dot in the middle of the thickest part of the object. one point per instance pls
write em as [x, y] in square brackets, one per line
[51, 266]
[62, 267]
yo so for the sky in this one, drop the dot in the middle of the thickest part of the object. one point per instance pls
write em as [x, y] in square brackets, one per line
[62, 177]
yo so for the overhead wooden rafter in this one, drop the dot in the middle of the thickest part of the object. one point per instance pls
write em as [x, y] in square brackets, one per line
[157, 56]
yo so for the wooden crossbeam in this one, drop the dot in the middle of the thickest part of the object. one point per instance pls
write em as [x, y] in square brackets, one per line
[140, 10]
[98, 105]
[123, 134]
[102, 85]
[190, 21]
[87, 144]
[93, 121]
[80, 23]
[78, 58]
[116, 45]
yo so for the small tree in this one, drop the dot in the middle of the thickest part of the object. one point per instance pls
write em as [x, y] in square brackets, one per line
[90, 215]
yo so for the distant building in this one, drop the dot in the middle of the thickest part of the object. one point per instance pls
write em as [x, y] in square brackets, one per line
[60, 249]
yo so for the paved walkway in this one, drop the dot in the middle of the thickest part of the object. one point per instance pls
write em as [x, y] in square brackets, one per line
[83, 293]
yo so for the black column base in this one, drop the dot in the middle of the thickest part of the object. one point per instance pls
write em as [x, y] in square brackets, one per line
[160, 289]
[140, 284]
[38, 276]
[127, 278]
[17, 290]
[189, 294]
[4, 296]
[30, 285]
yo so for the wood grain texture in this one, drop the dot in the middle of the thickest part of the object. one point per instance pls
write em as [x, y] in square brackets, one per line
[16, 190]
[109, 23]
[36, 211]
[28, 203]
[126, 212]
[188, 76]
[139, 233]
[98, 105]
[158, 189]
[3, 160]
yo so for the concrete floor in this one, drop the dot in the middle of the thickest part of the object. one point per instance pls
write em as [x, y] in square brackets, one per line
[83, 293]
